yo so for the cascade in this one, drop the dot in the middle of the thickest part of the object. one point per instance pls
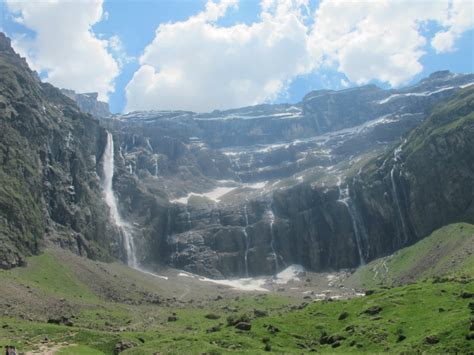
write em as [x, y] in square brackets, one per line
[156, 167]
[247, 242]
[396, 159]
[188, 217]
[111, 201]
[274, 255]
[147, 141]
[345, 199]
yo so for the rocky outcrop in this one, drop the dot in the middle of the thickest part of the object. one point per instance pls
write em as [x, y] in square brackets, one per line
[49, 159]
[89, 103]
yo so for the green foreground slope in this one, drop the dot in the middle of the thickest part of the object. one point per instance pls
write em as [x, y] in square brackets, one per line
[108, 303]
[449, 250]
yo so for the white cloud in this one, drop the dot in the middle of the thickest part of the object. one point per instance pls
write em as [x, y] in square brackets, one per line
[198, 65]
[460, 18]
[64, 46]
[117, 47]
[382, 39]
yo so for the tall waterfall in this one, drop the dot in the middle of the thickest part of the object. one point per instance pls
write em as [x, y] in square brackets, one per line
[126, 230]
[247, 241]
[274, 255]
[345, 199]
[396, 159]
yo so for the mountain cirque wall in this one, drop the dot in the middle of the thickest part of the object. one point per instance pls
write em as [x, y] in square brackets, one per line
[319, 203]
[324, 183]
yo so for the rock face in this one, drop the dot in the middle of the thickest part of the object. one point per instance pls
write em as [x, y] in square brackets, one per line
[248, 191]
[331, 182]
[89, 103]
[50, 155]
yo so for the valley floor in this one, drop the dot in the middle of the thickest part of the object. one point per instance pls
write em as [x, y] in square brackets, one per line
[64, 304]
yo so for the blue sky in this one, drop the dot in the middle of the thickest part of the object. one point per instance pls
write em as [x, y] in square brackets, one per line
[229, 53]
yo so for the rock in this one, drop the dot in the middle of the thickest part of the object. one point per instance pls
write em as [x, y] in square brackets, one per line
[373, 310]
[243, 326]
[350, 329]
[401, 337]
[259, 313]
[272, 329]
[343, 315]
[63, 320]
[235, 319]
[123, 345]
[213, 329]
[431, 339]
[330, 339]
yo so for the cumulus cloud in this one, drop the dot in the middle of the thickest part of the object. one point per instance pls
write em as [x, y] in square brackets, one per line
[459, 18]
[198, 65]
[64, 47]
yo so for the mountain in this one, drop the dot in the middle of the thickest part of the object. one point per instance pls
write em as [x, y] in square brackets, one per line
[254, 189]
[50, 160]
[331, 182]
[89, 103]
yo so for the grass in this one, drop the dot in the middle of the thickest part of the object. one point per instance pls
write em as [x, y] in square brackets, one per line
[50, 275]
[415, 311]
[446, 251]
[432, 307]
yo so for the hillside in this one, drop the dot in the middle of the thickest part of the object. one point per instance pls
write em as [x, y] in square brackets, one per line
[50, 158]
[447, 251]
[72, 305]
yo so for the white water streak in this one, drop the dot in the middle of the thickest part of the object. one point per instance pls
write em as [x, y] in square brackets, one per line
[111, 200]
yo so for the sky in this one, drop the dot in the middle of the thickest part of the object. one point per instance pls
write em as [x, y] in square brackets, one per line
[201, 55]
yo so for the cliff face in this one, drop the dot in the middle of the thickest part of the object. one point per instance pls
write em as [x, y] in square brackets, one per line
[50, 156]
[332, 182]
[88, 103]
[245, 192]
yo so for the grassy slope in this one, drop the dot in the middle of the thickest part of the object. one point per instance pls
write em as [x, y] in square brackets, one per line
[59, 287]
[449, 250]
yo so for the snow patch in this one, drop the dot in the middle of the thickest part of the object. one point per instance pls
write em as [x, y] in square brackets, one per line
[214, 195]
[291, 273]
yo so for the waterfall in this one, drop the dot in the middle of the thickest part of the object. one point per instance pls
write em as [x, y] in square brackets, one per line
[156, 167]
[274, 255]
[111, 201]
[188, 217]
[247, 242]
[345, 199]
[396, 158]
[147, 141]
